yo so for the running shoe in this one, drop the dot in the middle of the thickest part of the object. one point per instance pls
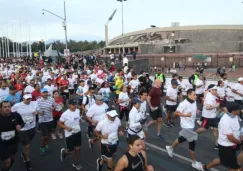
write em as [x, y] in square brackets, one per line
[99, 166]
[216, 147]
[54, 136]
[160, 137]
[42, 151]
[63, 155]
[91, 145]
[60, 135]
[27, 166]
[166, 124]
[172, 124]
[197, 165]
[77, 165]
[169, 151]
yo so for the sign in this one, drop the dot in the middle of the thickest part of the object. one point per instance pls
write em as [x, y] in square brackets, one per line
[66, 52]
[231, 59]
[209, 59]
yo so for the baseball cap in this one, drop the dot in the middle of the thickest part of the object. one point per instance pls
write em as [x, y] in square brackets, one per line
[240, 79]
[27, 96]
[112, 113]
[98, 97]
[72, 102]
[232, 106]
[44, 90]
[136, 100]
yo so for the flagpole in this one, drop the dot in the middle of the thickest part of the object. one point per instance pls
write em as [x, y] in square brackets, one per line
[1, 44]
[8, 42]
[13, 40]
[30, 41]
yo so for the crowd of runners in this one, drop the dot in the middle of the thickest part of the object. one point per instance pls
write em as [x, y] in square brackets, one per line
[57, 100]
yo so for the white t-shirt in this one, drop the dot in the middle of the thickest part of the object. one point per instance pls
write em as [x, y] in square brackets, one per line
[186, 107]
[239, 88]
[29, 89]
[29, 77]
[124, 61]
[124, 97]
[26, 112]
[90, 103]
[201, 89]
[134, 122]
[226, 83]
[97, 112]
[71, 119]
[4, 93]
[228, 125]
[72, 81]
[143, 108]
[109, 127]
[209, 100]
[93, 77]
[230, 95]
[134, 85]
[221, 92]
[50, 89]
[172, 94]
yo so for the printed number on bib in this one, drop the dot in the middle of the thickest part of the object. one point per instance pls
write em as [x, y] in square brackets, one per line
[76, 129]
[58, 108]
[66, 91]
[28, 119]
[113, 138]
[5, 136]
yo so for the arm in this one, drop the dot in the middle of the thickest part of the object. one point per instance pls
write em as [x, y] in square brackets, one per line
[236, 92]
[232, 139]
[169, 99]
[149, 101]
[121, 164]
[147, 167]
[133, 120]
[178, 113]
[61, 125]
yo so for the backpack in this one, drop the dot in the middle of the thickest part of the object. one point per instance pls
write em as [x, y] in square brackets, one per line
[87, 101]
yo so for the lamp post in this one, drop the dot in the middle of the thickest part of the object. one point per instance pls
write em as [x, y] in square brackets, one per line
[123, 48]
[106, 26]
[64, 23]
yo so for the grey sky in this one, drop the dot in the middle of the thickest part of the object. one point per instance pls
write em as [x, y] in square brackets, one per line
[86, 18]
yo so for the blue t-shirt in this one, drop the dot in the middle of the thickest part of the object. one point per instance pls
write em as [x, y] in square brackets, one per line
[111, 78]
[11, 97]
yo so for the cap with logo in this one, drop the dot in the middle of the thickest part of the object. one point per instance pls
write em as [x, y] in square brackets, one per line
[43, 90]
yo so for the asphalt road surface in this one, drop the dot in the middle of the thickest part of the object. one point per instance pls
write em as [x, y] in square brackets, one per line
[156, 154]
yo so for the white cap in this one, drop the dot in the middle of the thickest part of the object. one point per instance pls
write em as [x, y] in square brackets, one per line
[27, 96]
[213, 88]
[240, 79]
[112, 113]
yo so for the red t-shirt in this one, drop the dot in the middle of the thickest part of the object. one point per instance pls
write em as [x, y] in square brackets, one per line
[58, 101]
[64, 83]
[155, 94]
[19, 87]
[35, 95]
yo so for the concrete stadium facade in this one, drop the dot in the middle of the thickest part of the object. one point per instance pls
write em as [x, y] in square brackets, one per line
[180, 40]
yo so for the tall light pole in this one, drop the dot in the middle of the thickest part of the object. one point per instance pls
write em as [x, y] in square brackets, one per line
[106, 26]
[123, 48]
[64, 23]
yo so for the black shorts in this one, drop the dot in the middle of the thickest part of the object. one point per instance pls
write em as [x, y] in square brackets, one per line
[6, 151]
[27, 136]
[46, 128]
[171, 108]
[209, 122]
[155, 115]
[108, 151]
[228, 157]
[73, 141]
[71, 91]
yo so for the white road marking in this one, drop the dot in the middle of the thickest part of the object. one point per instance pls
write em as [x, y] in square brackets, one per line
[174, 154]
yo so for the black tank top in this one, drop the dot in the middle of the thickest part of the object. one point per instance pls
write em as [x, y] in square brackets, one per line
[136, 163]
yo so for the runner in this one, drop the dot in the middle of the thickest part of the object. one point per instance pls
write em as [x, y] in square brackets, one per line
[45, 108]
[187, 111]
[154, 102]
[10, 124]
[95, 114]
[70, 122]
[229, 138]
[209, 118]
[108, 130]
[135, 159]
[237, 89]
[28, 110]
[123, 101]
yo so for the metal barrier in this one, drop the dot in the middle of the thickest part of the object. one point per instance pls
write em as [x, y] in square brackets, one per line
[138, 65]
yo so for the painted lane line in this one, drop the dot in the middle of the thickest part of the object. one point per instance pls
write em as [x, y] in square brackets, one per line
[174, 154]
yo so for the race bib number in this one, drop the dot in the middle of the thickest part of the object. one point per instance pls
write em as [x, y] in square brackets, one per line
[28, 119]
[113, 138]
[76, 129]
[66, 91]
[141, 134]
[58, 108]
[5, 136]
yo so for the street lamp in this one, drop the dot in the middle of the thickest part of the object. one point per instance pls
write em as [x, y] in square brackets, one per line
[123, 49]
[64, 23]
[106, 26]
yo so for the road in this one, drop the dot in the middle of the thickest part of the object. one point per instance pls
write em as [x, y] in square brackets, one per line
[156, 157]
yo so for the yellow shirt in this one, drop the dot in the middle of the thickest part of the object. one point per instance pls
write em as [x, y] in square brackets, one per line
[118, 84]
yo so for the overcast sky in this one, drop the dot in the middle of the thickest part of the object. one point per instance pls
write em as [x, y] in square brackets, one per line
[86, 18]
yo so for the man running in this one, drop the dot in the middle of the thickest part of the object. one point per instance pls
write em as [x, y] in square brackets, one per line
[70, 122]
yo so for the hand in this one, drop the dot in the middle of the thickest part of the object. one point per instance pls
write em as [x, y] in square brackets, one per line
[69, 129]
[150, 168]
[121, 133]
[189, 114]
[217, 105]
[35, 113]
[18, 127]
[105, 136]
